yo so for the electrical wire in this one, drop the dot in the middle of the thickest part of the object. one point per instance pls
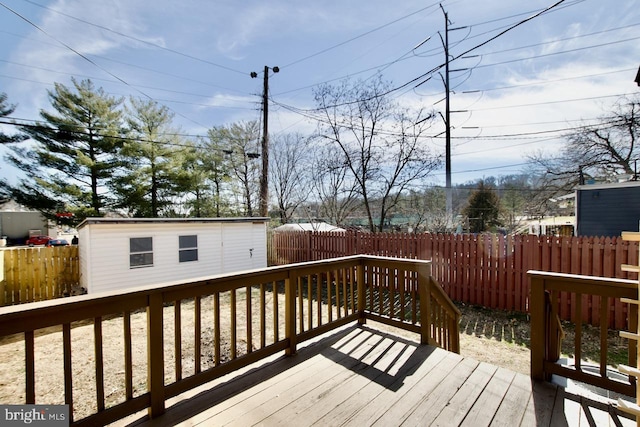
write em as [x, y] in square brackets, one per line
[625, 70]
[546, 55]
[560, 40]
[89, 59]
[359, 36]
[438, 67]
[102, 27]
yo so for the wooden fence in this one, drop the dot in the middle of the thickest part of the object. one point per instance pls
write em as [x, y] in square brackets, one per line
[38, 273]
[486, 270]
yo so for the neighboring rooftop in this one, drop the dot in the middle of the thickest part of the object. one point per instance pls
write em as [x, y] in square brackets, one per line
[308, 226]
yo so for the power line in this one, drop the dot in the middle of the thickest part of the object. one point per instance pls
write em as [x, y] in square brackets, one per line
[128, 64]
[38, 125]
[403, 57]
[102, 27]
[88, 59]
[546, 55]
[113, 81]
[440, 66]
[556, 9]
[433, 5]
[586, 76]
[560, 40]
[174, 101]
[553, 102]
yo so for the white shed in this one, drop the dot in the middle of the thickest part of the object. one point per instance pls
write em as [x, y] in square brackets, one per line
[119, 253]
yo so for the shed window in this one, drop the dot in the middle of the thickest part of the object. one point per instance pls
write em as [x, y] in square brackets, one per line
[140, 252]
[188, 248]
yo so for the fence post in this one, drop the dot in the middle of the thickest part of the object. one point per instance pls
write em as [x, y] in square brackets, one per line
[537, 312]
[290, 314]
[155, 355]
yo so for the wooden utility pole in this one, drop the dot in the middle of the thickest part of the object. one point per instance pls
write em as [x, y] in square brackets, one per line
[264, 177]
[447, 119]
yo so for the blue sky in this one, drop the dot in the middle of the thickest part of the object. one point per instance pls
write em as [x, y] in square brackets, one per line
[517, 92]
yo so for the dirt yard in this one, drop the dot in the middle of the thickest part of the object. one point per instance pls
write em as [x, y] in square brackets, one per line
[502, 338]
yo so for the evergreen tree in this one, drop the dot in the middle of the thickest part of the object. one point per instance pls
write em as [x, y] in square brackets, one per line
[71, 165]
[214, 160]
[6, 110]
[483, 209]
[150, 160]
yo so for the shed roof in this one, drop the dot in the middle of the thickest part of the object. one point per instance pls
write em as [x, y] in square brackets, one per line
[88, 221]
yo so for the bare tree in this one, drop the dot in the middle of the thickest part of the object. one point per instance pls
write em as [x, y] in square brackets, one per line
[604, 150]
[332, 185]
[382, 145]
[289, 180]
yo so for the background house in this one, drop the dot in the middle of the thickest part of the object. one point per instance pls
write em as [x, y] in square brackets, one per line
[608, 209]
[18, 222]
[118, 253]
[552, 226]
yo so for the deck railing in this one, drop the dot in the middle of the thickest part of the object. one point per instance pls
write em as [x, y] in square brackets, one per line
[197, 331]
[552, 291]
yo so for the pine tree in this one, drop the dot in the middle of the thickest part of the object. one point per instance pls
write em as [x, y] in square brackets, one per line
[483, 209]
[6, 110]
[148, 180]
[74, 158]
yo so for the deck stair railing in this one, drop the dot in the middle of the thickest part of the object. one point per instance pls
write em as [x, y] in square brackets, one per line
[196, 331]
[634, 336]
[585, 295]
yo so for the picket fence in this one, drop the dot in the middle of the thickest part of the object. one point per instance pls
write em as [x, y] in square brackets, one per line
[38, 274]
[484, 269]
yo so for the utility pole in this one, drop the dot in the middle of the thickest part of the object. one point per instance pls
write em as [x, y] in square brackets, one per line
[264, 177]
[447, 123]
[447, 119]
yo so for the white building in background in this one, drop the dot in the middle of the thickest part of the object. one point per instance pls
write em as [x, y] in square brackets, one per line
[308, 226]
[122, 253]
[17, 223]
[553, 226]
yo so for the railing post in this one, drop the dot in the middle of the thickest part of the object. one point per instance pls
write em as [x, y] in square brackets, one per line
[537, 312]
[290, 286]
[155, 355]
[362, 296]
[424, 292]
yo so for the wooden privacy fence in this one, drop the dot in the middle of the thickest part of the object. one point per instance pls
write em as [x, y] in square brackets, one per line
[487, 270]
[38, 273]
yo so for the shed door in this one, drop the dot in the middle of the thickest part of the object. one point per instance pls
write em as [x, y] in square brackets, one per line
[237, 247]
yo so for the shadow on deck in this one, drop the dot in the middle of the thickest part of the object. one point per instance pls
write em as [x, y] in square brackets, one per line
[360, 375]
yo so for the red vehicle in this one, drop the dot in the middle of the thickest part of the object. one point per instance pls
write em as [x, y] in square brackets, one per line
[37, 240]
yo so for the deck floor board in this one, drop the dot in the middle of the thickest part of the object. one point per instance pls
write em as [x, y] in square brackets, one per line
[361, 376]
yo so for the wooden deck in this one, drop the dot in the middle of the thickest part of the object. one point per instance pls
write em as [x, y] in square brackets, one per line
[361, 376]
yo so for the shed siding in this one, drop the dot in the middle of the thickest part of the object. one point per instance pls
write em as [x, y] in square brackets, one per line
[106, 264]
